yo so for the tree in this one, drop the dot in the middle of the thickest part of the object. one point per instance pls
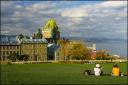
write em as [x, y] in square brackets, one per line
[79, 52]
[64, 48]
[21, 36]
[24, 57]
[13, 57]
[26, 37]
[38, 34]
[102, 55]
[70, 51]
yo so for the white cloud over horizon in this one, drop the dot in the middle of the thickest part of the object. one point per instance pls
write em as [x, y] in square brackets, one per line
[106, 19]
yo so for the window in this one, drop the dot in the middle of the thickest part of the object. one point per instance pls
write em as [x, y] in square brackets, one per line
[7, 47]
[13, 47]
[10, 47]
[10, 52]
[1, 47]
[17, 52]
[7, 52]
[3, 53]
[17, 47]
[36, 51]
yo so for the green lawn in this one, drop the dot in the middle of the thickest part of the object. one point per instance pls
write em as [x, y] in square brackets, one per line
[49, 73]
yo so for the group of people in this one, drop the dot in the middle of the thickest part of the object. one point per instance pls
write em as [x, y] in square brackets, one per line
[98, 71]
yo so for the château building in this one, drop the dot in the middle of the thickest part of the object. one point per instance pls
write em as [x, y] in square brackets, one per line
[51, 31]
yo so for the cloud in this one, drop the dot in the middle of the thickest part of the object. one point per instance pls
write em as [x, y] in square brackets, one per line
[74, 12]
[113, 4]
[99, 9]
[103, 19]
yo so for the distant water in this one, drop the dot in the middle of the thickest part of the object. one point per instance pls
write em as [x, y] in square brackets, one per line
[113, 47]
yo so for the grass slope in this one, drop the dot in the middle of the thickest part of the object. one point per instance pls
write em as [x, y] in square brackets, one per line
[58, 74]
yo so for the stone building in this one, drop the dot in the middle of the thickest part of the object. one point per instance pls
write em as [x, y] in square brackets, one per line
[8, 46]
[92, 51]
[35, 48]
[8, 49]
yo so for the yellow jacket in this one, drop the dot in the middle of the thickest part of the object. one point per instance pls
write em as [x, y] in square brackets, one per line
[116, 71]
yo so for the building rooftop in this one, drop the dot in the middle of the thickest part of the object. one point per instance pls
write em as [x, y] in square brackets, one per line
[12, 39]
[34, 41]
[8, 39]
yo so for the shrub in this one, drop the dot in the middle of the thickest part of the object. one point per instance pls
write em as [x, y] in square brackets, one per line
[5, 62]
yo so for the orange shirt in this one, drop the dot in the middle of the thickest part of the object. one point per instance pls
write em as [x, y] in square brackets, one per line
[116, 71]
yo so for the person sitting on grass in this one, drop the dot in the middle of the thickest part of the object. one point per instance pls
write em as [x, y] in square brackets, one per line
[87, 72]
[115, 71]
[97, 70]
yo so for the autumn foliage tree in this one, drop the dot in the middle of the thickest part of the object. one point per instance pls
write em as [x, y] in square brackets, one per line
[64, 48]
[79, 52]
[70, 51]
[102, 55]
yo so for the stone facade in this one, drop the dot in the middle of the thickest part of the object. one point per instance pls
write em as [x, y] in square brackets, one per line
[8, 49]
[36, 49]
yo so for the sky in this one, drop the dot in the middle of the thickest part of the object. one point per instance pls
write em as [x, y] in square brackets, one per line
[83, 19]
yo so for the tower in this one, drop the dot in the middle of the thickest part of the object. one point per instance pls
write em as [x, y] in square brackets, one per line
[51, 31]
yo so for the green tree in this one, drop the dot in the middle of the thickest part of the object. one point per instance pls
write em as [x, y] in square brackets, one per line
[13, 57]
[20, 36]
[24, 57]
[38, 34]
[16, 57]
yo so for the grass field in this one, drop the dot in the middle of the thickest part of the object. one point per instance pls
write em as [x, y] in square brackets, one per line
[50, 73]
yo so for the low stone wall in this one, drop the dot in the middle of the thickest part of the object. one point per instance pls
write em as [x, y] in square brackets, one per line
[5, 62]
[93, 61]
[30, 62]
[66, 61]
